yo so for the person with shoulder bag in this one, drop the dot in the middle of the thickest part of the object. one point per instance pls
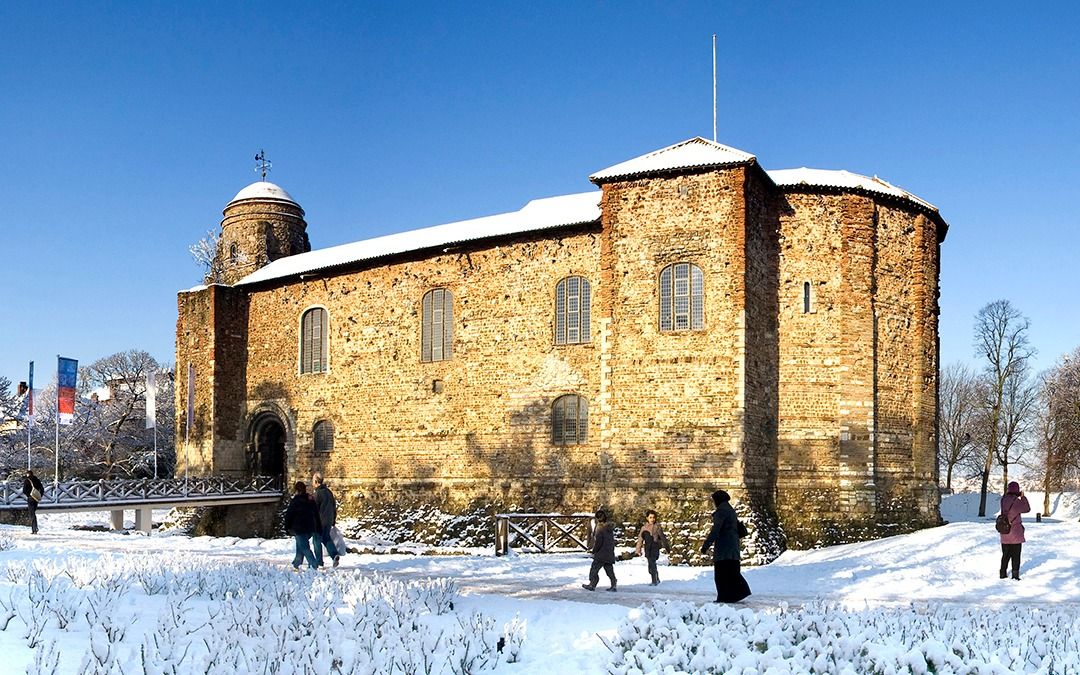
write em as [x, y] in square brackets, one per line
[1012, 537]
[724, 540]
[34, 491]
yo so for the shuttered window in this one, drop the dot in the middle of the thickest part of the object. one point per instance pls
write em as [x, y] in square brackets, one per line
[437, 326]
[314, 334]
[572, 311]
[323, 432]
[682, 298]
[569, 420]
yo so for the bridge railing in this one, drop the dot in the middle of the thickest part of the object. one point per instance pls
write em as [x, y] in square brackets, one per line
[543, 532]
[105, 492]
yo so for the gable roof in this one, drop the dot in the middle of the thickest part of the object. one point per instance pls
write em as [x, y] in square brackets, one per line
[695, 153]
[539, 214]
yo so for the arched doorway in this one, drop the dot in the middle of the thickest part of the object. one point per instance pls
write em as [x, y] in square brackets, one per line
[266, 448]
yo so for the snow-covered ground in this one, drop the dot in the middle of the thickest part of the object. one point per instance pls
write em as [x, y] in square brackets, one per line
[930, 601]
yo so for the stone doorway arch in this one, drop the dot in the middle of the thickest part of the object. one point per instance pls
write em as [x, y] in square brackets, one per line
[266, 445]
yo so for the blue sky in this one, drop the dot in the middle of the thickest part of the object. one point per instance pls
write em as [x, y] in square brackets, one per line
[126, 127]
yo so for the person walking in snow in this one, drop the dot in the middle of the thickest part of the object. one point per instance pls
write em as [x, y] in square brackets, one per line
[724, 539]
[302, 519]
[603, 547]
[31, 487]
[1012, 505]
[651, 539]
[327, 505]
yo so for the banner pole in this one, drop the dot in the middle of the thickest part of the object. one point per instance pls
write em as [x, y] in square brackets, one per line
[56, 468]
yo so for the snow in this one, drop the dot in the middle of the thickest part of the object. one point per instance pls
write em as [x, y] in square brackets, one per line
[693, 153]
[264, 190]
[844, 180]
[930, 601]
[539, 214]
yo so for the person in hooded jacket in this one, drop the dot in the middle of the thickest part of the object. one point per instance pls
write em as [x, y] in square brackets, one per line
[302, 519]
[603, 553]
[1012, 505]
[724, 539]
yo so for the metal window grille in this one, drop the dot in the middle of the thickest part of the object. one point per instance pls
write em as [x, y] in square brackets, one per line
[569, 420]
[313, 341]
[572, 298]
[437, 326]
[682, 298]
[324, 436]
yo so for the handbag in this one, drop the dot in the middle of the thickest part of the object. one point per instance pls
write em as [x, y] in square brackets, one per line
[1002, 524]
[35, 494]
[742, 529]
[339, 541]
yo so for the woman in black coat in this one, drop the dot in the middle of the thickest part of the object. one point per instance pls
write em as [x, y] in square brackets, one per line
[302, 519]
[724, 538]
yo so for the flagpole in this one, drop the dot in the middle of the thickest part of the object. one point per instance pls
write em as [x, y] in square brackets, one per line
[56, 468]
[714, 87]
[29, 413]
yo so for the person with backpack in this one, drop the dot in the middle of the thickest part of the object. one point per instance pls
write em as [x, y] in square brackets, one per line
[1012, 505]
[33, 489]
[603, 551]
[651, 539]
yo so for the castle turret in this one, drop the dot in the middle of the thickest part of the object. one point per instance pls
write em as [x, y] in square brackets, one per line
[262, 223]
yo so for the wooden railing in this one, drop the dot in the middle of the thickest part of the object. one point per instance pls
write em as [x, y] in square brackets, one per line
[544, 532]
[133, 491]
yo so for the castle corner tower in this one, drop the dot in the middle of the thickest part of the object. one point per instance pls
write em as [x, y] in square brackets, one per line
[261, 224]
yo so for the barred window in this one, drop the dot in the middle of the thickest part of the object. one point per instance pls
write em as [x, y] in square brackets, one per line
[572, 311]
[314, 335]
[323, 433]
[569, 420]
[682, 298]
[437, 326]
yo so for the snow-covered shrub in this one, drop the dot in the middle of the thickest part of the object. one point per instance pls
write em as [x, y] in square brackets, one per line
[7, 542]
[826, 638]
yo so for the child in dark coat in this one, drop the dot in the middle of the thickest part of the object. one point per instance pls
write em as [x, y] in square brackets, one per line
[603, 553]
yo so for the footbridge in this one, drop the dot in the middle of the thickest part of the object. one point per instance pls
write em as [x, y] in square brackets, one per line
[144, 495]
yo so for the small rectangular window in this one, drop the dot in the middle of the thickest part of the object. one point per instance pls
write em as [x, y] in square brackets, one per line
[806, 308]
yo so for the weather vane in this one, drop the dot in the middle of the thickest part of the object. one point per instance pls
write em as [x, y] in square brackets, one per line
[262, 164]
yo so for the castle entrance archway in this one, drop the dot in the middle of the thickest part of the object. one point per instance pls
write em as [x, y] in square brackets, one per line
[266, 446]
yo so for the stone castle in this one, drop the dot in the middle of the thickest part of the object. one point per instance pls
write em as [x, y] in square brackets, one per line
[696, 322]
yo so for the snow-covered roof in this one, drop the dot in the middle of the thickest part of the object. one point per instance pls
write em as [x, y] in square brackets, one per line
[844, 180]
[695, 153]
[539, 214]
[264, 190]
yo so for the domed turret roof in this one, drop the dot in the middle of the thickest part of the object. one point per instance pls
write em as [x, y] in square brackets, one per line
[264, 190]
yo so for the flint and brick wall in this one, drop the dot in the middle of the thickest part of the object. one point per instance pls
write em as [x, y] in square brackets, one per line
[819, 417]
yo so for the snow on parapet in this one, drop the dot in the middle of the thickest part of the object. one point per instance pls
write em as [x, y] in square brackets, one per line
[690, 154]
[844, 180]
[539, 214]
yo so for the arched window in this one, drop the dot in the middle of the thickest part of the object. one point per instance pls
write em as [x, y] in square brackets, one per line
[234, 254]
[314, 335]
[569, 420]
[437, 326]
[572, 311]
[682, 297]
[323, 433]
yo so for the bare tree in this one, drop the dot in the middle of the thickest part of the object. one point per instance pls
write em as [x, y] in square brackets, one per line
[116, 440]
[205, 253]
[1018, 409]
[959, 403]
[1001, 338]
[1058, 427]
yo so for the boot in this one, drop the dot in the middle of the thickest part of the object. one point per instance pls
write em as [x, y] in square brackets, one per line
[1003, 574]
[612, 589]
[588, 587]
